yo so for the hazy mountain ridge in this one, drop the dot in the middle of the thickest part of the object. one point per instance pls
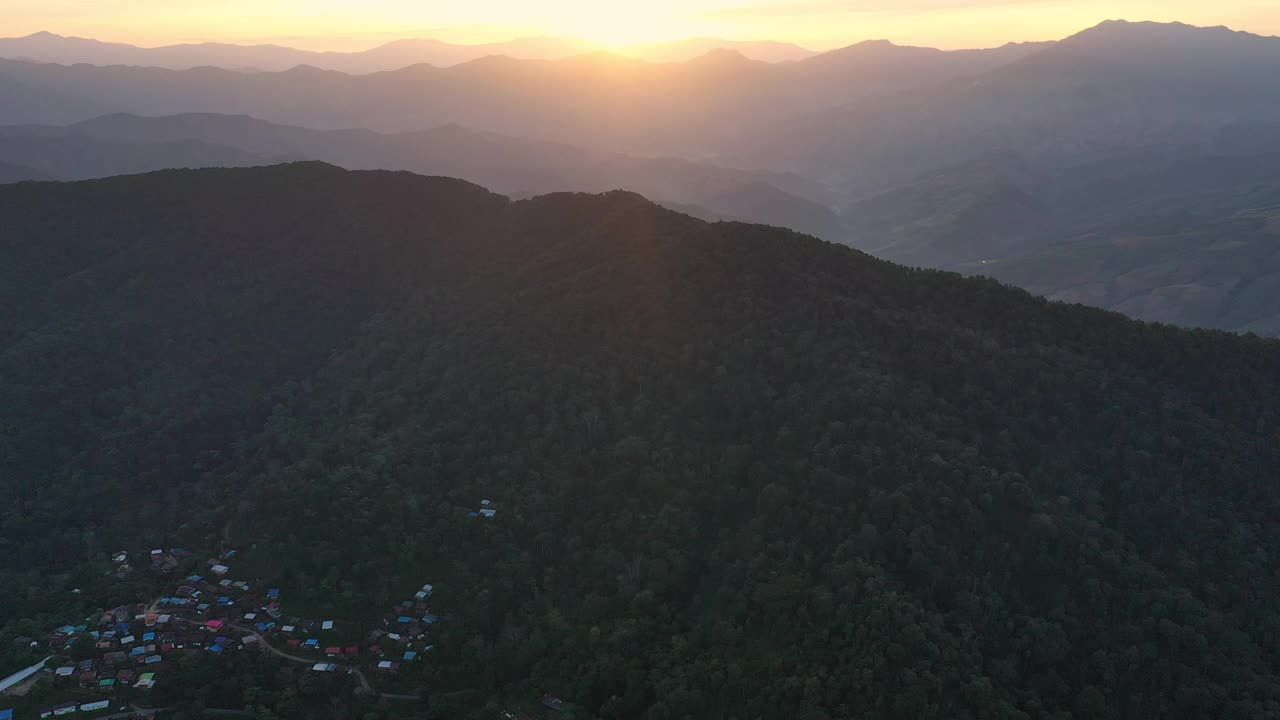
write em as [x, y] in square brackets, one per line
[11, 173]
[1102, 91]
[126, 144]
[51, 48]
[694, 107]
[1222, 273]
[898, 141]
[82, 157]
[1177, 235]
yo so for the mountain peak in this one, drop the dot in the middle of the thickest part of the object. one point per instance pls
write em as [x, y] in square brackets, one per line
[1127, 29]
[723, 56]
[879, 45]
[1155, 47]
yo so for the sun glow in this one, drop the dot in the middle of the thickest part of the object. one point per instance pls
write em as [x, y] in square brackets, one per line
[818, 24]
[618, 27]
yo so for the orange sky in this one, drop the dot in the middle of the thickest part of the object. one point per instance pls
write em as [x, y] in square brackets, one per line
[820, 24]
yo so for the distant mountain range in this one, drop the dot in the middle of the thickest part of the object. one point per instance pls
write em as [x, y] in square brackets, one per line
[128, 144]
[1110, 88]
[718, 101]
[1011, 161]
[50, 48]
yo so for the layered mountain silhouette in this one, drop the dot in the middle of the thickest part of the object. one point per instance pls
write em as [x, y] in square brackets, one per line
[128, 144]
[76, 157]
[964, 160]
[50, 48]
[701, 106]
[1102, 91]
[11, 173]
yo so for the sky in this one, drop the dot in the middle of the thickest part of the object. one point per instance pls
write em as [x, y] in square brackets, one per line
[817, 24]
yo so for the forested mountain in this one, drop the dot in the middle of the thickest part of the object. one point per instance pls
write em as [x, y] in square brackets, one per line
[127, 144]
[50, 48]
[742, 472]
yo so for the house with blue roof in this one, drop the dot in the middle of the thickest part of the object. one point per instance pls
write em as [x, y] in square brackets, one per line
[410, 656]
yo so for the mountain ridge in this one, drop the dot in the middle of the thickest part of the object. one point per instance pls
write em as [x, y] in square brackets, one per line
[713, 447]
[45, 46]
[513, 166]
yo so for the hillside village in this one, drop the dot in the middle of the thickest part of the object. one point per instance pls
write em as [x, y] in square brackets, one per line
[114, 660]
[111, 663]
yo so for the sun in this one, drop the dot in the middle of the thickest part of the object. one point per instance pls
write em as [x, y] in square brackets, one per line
[617, 27]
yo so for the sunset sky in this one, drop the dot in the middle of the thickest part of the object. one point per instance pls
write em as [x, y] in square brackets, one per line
[819, 24]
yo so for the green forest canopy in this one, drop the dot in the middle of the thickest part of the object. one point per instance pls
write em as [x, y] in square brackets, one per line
[742, 473]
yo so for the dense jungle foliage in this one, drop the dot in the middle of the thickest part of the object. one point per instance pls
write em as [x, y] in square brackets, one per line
[740, 473]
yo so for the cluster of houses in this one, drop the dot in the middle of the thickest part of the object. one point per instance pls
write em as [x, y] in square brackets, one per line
[405, 635]
[124, 637]
[131, 643]
[211, 613]
[130, 646]
[240, 615]
[487, 510]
